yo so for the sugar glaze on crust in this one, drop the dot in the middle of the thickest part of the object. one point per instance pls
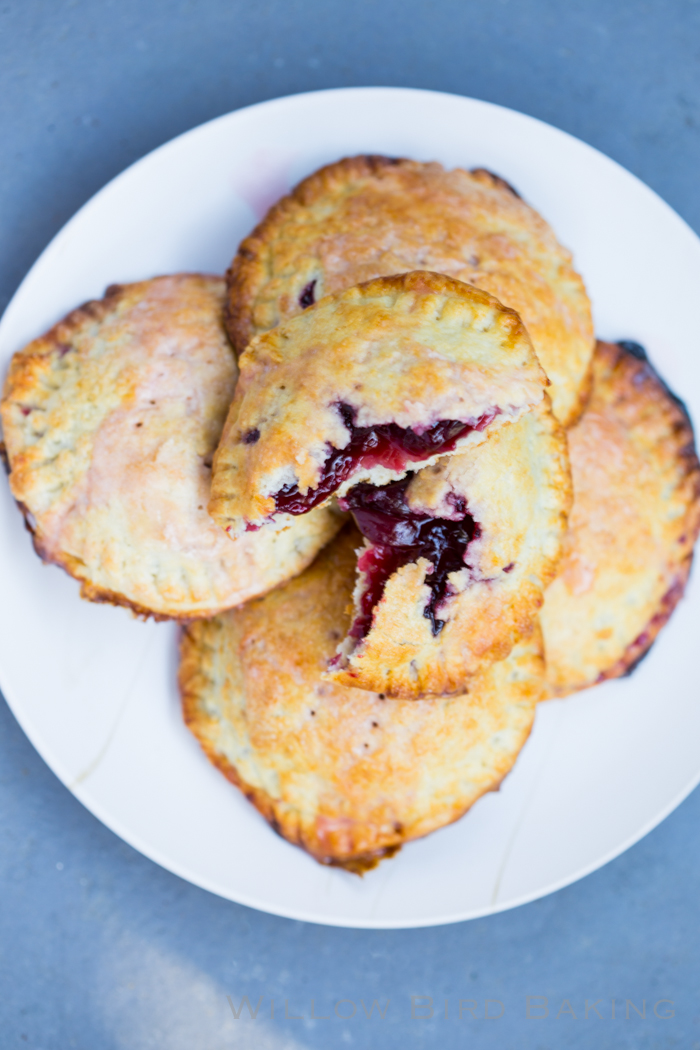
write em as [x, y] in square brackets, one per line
[635, 519]
[428, 615]
[414, 353]
[345, 774]
[110, 421]
[368, 216]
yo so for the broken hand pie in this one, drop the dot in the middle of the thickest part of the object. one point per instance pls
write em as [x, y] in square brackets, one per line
[362, 387]
[418, 403]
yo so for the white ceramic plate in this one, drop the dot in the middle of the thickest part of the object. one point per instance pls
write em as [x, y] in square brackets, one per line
[95, 690]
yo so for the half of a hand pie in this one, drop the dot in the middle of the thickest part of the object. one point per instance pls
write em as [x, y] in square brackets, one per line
[456, 559]
[346, 774]
[364, 386]
[367, 217]
[110, 422]
[634, 522]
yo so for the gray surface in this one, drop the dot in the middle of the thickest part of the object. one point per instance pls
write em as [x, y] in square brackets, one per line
[99, 948]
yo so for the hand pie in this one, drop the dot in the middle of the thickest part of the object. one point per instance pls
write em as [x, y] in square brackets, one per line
[346, 774]
[367, 217]
[367, 384]
[455, 561]
[110, 422]
[634, 521]
[457, 553]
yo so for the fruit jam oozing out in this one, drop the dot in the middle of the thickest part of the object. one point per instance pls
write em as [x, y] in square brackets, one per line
[386, 445]
[398, 536]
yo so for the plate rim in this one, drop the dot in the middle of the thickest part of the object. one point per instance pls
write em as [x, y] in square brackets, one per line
[23, 717]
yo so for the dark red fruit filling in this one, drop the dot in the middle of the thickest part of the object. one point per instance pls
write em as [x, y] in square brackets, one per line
[308, 295]
[387, 445]
[399, 536]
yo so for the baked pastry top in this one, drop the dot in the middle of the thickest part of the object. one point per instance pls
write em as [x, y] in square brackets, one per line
[455, 560]
[110, 421]
[369, 216]
[361, 387]
[634, 521]
[346, 774]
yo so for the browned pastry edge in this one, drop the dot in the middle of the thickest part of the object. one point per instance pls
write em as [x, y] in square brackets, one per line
[99, 595]
[585, 396]
[640, 647]
[237, 311]
[53, 340]
[93, 594]
[239, 297]
[484, 175]
[239, 294]
[240, 488]
[683, 426]
[189, 674]
[58, 336]
[619, 357]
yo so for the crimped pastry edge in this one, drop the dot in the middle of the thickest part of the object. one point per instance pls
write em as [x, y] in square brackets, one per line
[193, 681]
[608, 358]
[248, 270]
[241, 274]
[23, 368]
[259, 509]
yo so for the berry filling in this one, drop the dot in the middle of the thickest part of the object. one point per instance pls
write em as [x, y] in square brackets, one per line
[399, 536]
[308, 295]
[386, 445]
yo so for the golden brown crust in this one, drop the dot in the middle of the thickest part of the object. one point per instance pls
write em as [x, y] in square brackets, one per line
[345, 774]
[111, 420]
[365, 217]
[491, 179]
[640, 646]
[412, 349]
[517, 487]
[634, 522]
[247, 273]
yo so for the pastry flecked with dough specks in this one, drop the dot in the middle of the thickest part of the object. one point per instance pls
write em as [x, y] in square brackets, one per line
[363, 386]
[634, 521]
[110, 422]
[346, 774]
[455, 561]
[371, 216]
[418, 403]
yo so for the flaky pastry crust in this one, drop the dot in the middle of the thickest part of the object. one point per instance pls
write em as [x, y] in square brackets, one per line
[409, 350]
[517, 487]
[110, 421]
[347, 775]
[635, 519]
[369, 216]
